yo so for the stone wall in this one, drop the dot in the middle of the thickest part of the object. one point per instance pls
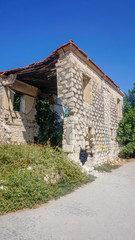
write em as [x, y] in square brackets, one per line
[91, 127]
[17, 126]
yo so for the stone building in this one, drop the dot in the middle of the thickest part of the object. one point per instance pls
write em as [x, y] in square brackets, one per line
[93, 104]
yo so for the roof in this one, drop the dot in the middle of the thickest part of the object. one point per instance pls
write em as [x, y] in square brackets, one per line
[55, 55]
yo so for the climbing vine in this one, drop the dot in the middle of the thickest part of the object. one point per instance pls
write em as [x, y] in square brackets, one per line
[50, 128]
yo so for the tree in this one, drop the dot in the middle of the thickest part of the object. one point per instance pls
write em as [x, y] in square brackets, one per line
[130, 97]
[126, 130]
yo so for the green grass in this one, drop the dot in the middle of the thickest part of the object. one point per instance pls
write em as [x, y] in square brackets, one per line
[106, 167]
[32, 174]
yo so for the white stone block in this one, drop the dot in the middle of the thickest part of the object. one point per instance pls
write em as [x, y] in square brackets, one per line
[69, 94]
[68, 148]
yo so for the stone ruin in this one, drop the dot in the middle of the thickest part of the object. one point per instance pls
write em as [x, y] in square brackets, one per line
[92, 102]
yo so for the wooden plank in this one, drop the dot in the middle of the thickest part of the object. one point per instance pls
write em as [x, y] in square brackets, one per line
[24, 88]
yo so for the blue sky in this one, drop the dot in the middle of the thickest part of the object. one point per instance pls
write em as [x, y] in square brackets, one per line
[30, 30]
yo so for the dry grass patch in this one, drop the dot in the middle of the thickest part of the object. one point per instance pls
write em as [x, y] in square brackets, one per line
[106, 167]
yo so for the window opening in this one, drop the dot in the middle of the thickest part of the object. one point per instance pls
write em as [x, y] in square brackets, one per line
[16, 103]
[86, 90]
[19, 103]
[119, 107]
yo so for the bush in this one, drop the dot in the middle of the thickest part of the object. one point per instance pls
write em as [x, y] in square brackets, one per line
[32, 174]
[126, 130]
[128, 151]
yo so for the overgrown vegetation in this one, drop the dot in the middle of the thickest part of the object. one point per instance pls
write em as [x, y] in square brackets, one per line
[106, 167]
[32, 174]
[126, 130]
[50, 128]
[17, 101]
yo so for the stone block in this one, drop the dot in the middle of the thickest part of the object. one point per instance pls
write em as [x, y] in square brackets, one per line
[68, 75]
[68, 148]
[69, 94]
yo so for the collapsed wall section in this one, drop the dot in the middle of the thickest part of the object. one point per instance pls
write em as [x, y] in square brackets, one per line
[94, 111]
[18, 126]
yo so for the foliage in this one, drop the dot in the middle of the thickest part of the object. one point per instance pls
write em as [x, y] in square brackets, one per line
[128, 151]
[106, 167]
[32, 174]
[16, 104]
[130, 97]
[126, 130]
[66, 110]
[49, 126]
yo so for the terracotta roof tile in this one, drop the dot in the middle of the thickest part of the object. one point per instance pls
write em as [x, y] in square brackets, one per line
[54, 55]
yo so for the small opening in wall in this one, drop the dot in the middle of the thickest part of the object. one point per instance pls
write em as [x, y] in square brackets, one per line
[89, 142]
[89, 130]
[66, 111]
[35, 140]
[112, 133]
[16, 103]
[87, 96]
[119, 107]
[118, 100]
[19, 103]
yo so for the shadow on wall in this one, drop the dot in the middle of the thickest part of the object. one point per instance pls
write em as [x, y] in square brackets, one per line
[83, 156]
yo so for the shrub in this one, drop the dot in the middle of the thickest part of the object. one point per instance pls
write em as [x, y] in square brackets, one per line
[126, 130]
[32, 174]
[128, 151]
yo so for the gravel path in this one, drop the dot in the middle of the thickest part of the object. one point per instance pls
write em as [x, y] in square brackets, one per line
[102, 210]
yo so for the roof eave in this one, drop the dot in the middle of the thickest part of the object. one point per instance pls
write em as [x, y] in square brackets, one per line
[70, 46]
[84, 57]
